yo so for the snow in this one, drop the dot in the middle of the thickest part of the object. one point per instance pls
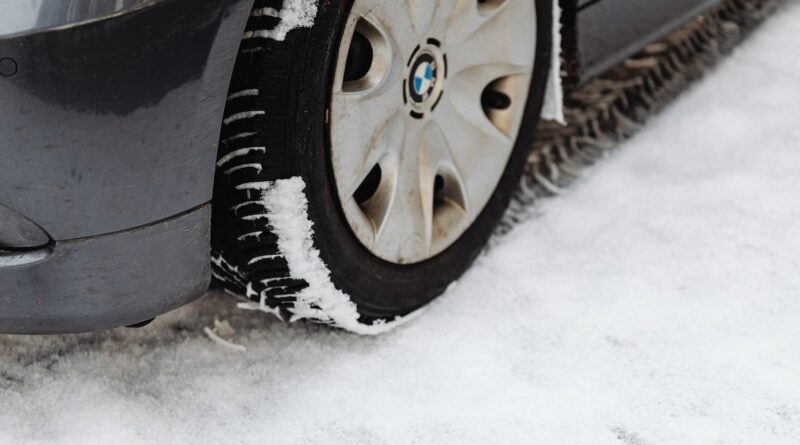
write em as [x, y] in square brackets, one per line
[656, 301]
[293, 14]
[285, 206]
[287, 209]
[553, 106]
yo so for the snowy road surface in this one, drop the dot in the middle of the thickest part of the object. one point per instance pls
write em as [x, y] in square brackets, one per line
[657, 301]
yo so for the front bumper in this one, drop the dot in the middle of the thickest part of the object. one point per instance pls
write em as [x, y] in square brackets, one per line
[109, 121]
[107, 281]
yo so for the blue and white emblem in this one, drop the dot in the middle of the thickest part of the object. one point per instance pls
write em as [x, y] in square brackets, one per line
[423, 79]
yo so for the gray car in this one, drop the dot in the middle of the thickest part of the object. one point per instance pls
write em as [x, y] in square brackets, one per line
[340, 161]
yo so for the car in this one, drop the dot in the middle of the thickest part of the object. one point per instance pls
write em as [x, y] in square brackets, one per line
[342, 161]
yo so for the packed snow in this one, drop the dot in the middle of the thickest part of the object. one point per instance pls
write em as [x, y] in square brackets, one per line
[286, 206]
[553, 106]
[656, 301]
[294, 14]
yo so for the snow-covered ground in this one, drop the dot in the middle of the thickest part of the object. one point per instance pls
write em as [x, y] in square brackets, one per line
[657, 301]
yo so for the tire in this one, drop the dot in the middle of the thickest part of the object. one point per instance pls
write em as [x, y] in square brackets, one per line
[274, 158]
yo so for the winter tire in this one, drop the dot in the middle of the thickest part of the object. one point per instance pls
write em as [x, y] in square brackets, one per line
[365, 161]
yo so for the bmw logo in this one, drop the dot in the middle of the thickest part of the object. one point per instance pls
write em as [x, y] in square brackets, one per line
[423, 78]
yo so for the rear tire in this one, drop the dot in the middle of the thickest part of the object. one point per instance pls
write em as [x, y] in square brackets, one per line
[275, 129]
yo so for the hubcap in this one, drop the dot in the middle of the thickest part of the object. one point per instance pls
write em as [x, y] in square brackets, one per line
[427, 101]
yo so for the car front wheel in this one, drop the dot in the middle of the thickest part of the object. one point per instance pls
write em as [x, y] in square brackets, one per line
[364, 162]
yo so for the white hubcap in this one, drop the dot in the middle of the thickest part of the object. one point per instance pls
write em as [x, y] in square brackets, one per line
[428, 98]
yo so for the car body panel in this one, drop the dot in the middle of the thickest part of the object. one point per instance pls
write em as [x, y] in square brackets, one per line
[34, 16]
[18, 232]
[600, 34]
[114, 123]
